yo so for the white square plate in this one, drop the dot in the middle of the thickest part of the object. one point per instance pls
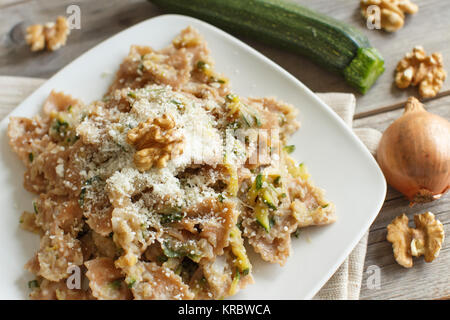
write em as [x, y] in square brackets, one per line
[336, 159]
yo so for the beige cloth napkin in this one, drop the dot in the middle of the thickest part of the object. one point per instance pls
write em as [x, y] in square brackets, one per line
[346, 282]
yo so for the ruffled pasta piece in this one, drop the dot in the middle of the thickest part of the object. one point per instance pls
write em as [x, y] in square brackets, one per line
[276, 114]
[58, 251]
[212, 220]
[28, 222]
[59, 101]
[55, 171]
[221, 277]
[106, 281]
[309, 206]
[152, 282]
[49, 290]
[27, 137]
[177, 66]
[100, 220]
[58, 212]
[273, 246]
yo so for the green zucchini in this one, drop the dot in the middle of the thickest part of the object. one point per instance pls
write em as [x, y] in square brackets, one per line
[262, 217]
[333, 44]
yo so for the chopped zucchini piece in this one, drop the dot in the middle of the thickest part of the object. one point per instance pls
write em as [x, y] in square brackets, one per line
[299, 171]
[238, 249]
[235, 283]
[289, 149]
[262, 216]
[269, 199]
[259, 181]
[176, 249]
[239, 110]
[303, 172]
[233, 185]
[131, 282]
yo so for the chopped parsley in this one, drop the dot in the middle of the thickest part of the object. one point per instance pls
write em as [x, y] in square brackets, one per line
[171, 217]
[82, 196]
[31, 156]
[131, 283]
[60, 126]
[202, 65]
[116, 284]
[172, 250]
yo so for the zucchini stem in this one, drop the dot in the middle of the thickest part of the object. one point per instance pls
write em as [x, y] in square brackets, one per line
[364, 69]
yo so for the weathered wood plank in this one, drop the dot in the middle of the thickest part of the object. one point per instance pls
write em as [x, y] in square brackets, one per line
[101, 19]
[5, 3]
[383, 120]
[14, 90]
[424, 280]
[429, 28]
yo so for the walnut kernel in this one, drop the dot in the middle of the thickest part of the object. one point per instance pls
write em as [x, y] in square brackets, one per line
[156, 142]
[426, 239]
[52, 34]
[392, 12]
[35, 37]
[418, 69]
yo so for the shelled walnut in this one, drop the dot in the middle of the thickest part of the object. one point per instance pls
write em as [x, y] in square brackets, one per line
[418, 69]
[156, 142]
[392, 12]
[426, 239]
[52, 35]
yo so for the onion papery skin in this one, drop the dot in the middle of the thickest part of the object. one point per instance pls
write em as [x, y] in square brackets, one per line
[414, 154]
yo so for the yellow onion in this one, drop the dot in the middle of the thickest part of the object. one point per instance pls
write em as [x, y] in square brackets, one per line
[414, 154]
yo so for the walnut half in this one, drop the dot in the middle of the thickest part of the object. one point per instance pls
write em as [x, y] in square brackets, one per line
[52, 34]
[156, 142]
[426, 239]
[392, 12]
[416, 68]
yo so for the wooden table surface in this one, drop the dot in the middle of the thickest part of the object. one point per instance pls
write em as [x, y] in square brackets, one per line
[377, 109]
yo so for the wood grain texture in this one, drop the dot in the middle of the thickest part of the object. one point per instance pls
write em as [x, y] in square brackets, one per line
[14, 90]
[424, 280]
[430, 28]
[103, 18]
[381, 121]
[100, 19]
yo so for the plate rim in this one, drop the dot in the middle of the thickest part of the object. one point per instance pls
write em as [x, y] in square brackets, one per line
[311, 95]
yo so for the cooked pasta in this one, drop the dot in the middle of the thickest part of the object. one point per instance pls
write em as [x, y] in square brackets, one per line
[152, 191]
